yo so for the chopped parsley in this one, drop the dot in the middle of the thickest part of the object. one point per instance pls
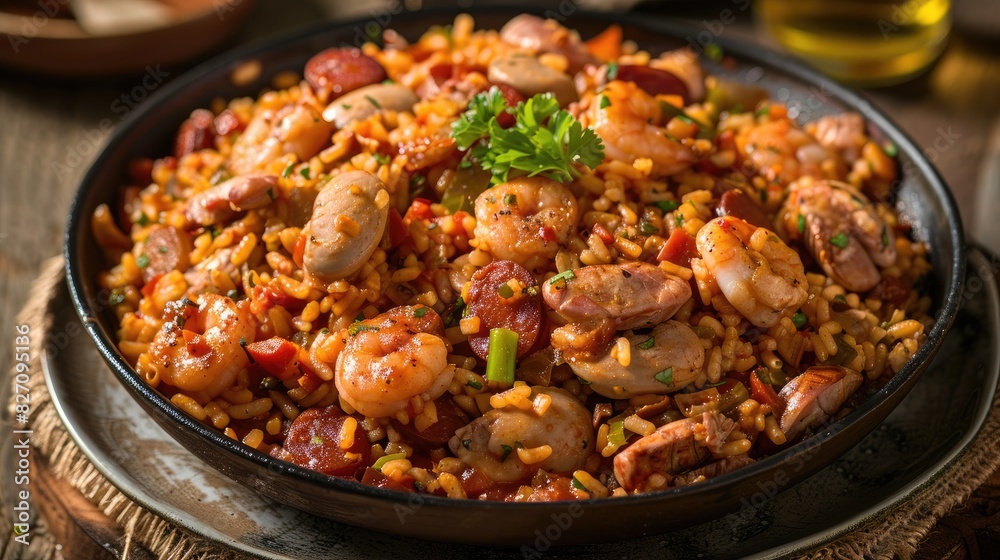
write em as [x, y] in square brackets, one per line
[270, 193]
[799, 320]
[144, 219]
[420, 312]
[162, 249]
[666, 205]
[666, 376]
[612, 72]
[577, 484]
[766, 109]
[374, 103]
[142, 261]
[605, 102]
[506, 452]
[316, 440]
[801, 223]
[382, 159]
[345, 106]
[510, 200]
[890, 149]
[288, 171]
[647, 344]
[232, 294]
[679, 220]
[474, 384]
[647, 228]
[839, 240]
[304, 172]
[464, 164]
[545, 140]
[356, 328]
[565, 276]
[117, 296]
[885, 237]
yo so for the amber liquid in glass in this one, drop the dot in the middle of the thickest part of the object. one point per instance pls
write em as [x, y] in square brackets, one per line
[866, 42]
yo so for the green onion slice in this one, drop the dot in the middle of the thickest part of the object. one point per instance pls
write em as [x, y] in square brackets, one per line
[386, 458]
[501, 357]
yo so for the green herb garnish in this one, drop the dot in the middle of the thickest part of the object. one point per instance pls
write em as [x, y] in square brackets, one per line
[612, 72]
[545, 140]
[666, 376]
[288, 171]
[666, 205]
[565, 276]
[374, 103]
[839, 240]
[142, 261]
[799, 320]
[420, 312]
[381, 461]
[647, 344]
[801, 223]
[475, 384]
[713, 52]
[304, 172]
[382, 159]
[505, 291]
[506, 452]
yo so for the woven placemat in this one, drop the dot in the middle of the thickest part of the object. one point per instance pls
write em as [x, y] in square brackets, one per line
[892, 534]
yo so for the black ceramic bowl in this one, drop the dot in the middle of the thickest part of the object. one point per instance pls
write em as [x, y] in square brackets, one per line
[923, 200]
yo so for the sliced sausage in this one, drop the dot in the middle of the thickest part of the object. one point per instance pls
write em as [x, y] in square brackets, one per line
[812, 397]
[314, 442]
[436, 436]
[196, 133]
[346, 225]
[522, 314]
[654, 81]
[167, 248]
[529, 77]
[737, 203]
[365, 102]
[342, 70]
[634, 295]
[538, 36]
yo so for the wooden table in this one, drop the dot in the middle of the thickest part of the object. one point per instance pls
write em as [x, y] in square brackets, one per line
[50, 131]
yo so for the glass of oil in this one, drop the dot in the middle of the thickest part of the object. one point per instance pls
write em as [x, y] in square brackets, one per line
[865, 42]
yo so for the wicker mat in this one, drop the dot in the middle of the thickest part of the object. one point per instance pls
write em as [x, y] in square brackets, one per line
[894, 534]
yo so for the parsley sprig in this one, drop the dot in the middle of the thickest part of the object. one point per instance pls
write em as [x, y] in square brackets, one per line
[545, 140]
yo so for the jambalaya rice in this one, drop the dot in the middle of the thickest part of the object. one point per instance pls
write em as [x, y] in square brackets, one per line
[514, 266]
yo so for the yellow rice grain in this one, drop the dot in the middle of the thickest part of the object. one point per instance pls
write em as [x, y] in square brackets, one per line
[252, 409]
[189, 405]
[273, 425]
[254, 438]
[593, 486]
[347, 431]
[243, 249]
[530, 456]
[315, 396]
[217, 415]
[639, 425]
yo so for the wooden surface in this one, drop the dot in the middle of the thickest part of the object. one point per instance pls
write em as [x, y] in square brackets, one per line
[51, 130]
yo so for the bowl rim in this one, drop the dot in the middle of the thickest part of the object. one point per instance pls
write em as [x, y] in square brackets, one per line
[745, 52]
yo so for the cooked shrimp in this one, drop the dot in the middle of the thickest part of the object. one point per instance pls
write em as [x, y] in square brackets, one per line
[760, 276]
[394, 362]
[498, 442]
[841, 230]
[662, 361]
[199, 347]
[295, 128]
[779, 151]
[628, 123]
[538, 36]
[525, 220]
[221, 202]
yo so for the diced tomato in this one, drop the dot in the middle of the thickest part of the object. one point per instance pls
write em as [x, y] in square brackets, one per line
[608, 44]
[679, 249]
[398, 233]
[420, 209]
[309, 380]
[279, 357]
[299, 250]
[512, 97]
[452, 225]
[270, 297]
[474, 482]
[764, 393]
[602, 232]
[150, 285]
